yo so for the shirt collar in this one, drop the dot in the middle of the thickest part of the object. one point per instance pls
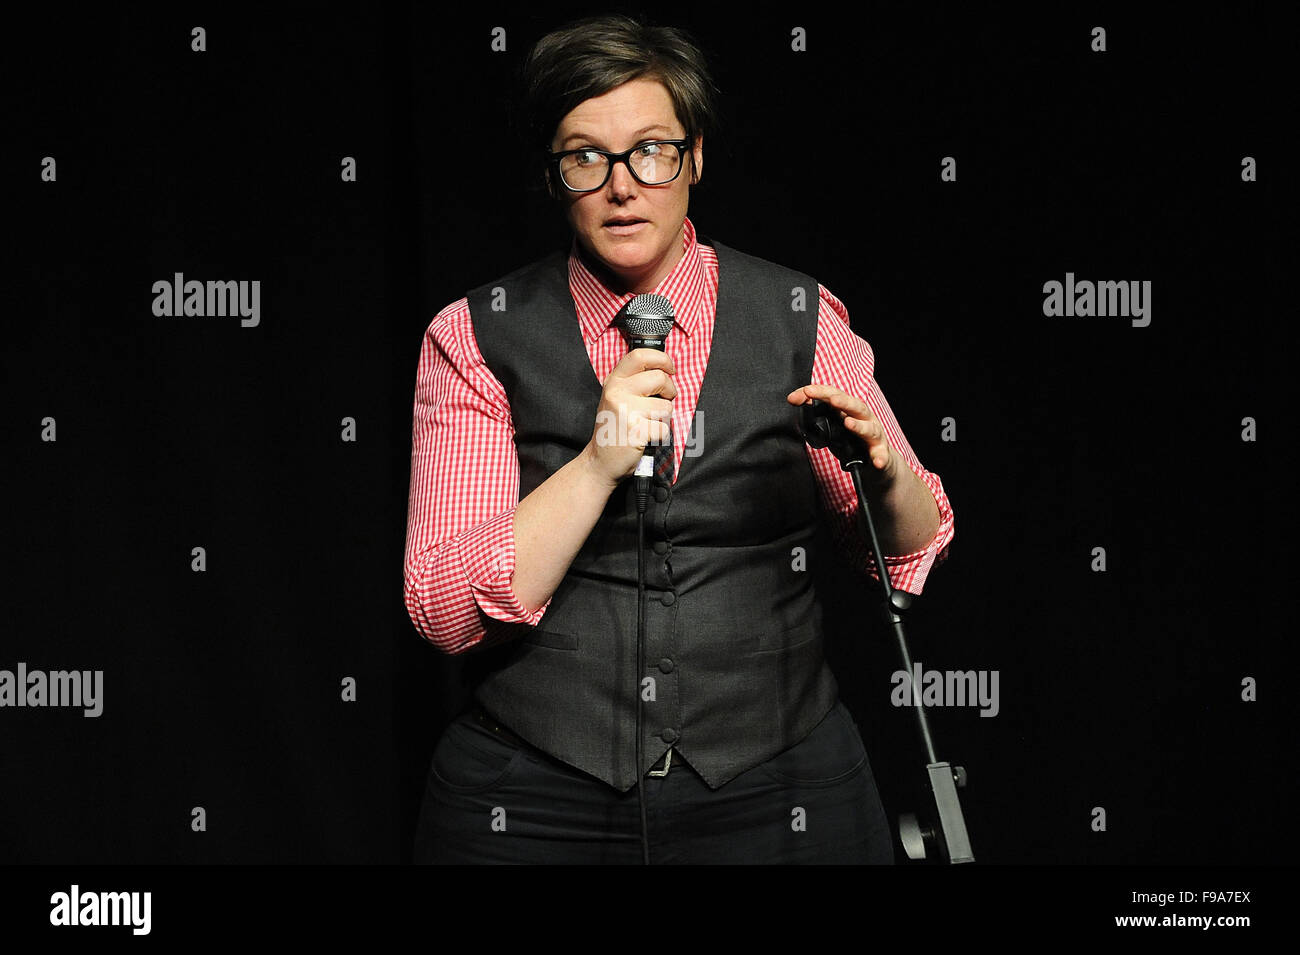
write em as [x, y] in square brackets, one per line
[597, 305]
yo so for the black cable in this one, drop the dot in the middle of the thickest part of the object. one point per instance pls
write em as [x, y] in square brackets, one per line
[642, 501]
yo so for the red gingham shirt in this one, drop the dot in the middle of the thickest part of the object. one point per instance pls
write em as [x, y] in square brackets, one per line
[460, 545]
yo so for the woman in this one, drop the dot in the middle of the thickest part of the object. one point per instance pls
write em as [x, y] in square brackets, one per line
[522, 536]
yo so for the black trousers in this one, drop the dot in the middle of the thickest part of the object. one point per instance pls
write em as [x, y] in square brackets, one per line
[490, 801]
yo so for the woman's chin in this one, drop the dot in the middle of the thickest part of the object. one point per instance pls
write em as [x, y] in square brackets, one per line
[627, 256]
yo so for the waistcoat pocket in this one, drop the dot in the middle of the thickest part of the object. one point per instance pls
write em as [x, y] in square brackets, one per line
[552, 639]
[787, 639]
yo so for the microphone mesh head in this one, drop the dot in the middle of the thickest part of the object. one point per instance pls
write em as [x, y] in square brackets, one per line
[647, 316]
[650, 305]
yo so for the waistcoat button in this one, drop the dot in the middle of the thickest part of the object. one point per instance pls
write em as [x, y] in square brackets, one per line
[661, 547]
[669, 735]
[661, 493]
[666, 665]
[669, 599]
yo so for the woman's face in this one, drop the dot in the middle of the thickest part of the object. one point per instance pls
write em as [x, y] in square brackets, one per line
[635, 258]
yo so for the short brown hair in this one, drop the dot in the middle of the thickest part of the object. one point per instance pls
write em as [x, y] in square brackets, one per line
[591, 56]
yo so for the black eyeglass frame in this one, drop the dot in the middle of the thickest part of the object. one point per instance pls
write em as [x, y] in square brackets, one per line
[554, 159]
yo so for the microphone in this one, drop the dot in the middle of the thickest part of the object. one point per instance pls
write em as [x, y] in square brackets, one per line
[646, 321]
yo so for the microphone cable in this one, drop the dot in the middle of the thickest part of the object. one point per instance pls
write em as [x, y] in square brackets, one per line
[646, 320]
[642, 501]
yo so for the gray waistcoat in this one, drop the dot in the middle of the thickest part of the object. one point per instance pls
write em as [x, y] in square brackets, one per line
[733, 621]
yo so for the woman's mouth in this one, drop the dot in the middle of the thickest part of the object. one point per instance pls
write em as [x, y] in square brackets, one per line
[625, 226]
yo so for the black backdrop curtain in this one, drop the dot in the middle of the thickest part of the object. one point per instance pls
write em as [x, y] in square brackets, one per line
[282, 449]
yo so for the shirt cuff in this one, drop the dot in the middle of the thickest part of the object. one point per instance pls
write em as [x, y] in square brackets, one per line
[909, 571]
[487, 555]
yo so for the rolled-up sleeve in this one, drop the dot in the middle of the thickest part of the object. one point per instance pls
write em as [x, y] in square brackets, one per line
[460, 546]
[845, 360]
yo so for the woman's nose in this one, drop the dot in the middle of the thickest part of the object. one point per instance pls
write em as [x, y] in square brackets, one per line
[621, 180]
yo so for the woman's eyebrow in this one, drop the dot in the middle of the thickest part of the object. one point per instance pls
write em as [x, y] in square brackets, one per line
[593, 139]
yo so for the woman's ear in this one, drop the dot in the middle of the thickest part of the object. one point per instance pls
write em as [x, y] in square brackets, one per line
[550, 184]
[697, 160]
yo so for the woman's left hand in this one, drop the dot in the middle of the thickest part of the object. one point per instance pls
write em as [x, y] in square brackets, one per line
[859, 420]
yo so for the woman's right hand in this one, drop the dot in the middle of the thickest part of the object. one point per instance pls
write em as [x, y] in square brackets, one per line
[630, 414]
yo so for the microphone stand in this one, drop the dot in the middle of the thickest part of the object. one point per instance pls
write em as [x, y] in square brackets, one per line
[822, 427]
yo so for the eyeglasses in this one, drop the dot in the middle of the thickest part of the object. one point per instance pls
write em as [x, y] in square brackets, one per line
[651, 164]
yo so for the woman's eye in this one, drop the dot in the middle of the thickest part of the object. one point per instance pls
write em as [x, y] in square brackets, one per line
[586, 158]
[650, 149]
